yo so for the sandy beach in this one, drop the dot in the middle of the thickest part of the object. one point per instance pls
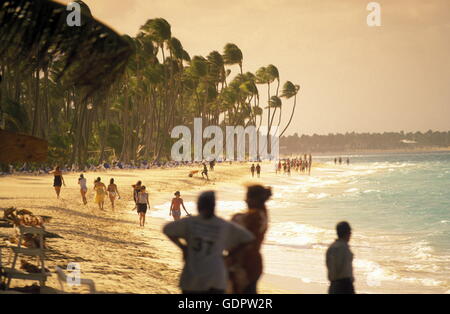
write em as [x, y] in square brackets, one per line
[122, 257]
[110, 246]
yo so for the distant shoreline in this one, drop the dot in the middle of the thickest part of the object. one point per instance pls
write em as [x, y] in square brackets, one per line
[376, 151]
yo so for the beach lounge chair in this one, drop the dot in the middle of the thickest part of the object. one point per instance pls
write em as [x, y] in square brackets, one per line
[8, 274]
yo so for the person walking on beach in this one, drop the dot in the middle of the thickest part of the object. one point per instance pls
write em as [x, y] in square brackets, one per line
[339, 260]
[205, 171]
[212, 163]
[348, 161]
[252, 170]
[83, 188]
[246, 266]
[175, 207]
[113, 192]
[100, 193]
[136, 188]
[258, 170]
[142, 205]
[58, 180]
[205, 238]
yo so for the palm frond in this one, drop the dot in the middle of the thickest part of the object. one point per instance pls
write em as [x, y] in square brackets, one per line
[35, 32]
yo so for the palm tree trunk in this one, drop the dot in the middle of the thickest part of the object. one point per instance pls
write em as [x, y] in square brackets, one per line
[292, 115]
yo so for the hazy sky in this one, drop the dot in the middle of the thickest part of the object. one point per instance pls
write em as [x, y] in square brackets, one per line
[353, 77]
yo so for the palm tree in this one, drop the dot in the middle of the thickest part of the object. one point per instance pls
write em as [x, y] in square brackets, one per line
[232, 55]
[290, 90]
[85, 60]
[217, 67]
[275, 103]
[159, 31]
[273, 74]
[149, 83]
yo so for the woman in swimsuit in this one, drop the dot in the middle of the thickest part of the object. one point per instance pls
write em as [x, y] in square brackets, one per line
[142, 205]
[83, 188]
[175, 210]
[112, 191]
[58, 180]
[246, 266]
[100, 192]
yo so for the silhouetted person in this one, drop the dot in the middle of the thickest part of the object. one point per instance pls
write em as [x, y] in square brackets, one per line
[206, 237]
[309, 164]
[252, 169]
[258, 170]
[348, 161]
[205, 171]
[340, 160]
[339, 259]
[246, 266]
[335, 160]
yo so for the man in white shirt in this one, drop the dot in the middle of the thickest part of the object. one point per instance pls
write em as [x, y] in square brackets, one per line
[339, 259]
[207, 237]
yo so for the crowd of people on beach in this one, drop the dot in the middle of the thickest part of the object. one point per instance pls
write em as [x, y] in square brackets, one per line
[105, 166]
[204, 238]
[140, 195]
[301, 164]
[100, 189]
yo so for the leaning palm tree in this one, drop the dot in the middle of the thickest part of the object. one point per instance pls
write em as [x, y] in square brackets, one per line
[274, 74]
[160, 31]
[232, 55]
[290, 90]
[275, 103]
[217, 67]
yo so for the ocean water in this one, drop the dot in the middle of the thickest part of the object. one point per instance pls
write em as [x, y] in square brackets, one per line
[398, 206]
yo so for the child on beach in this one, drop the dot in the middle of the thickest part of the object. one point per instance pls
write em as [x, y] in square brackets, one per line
[175, 210]
[83, 188]
[113, 192]
[247, 266]
[206, 237]
[142, 205]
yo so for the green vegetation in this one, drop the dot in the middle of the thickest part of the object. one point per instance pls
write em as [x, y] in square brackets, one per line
[349, 142]
[162, 86]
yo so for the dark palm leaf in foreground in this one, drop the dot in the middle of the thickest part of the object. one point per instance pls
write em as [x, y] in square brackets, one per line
[33, 32]
[33, 35]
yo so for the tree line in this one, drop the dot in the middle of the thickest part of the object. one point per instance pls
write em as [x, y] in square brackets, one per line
[162, 86]
[363, 141]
